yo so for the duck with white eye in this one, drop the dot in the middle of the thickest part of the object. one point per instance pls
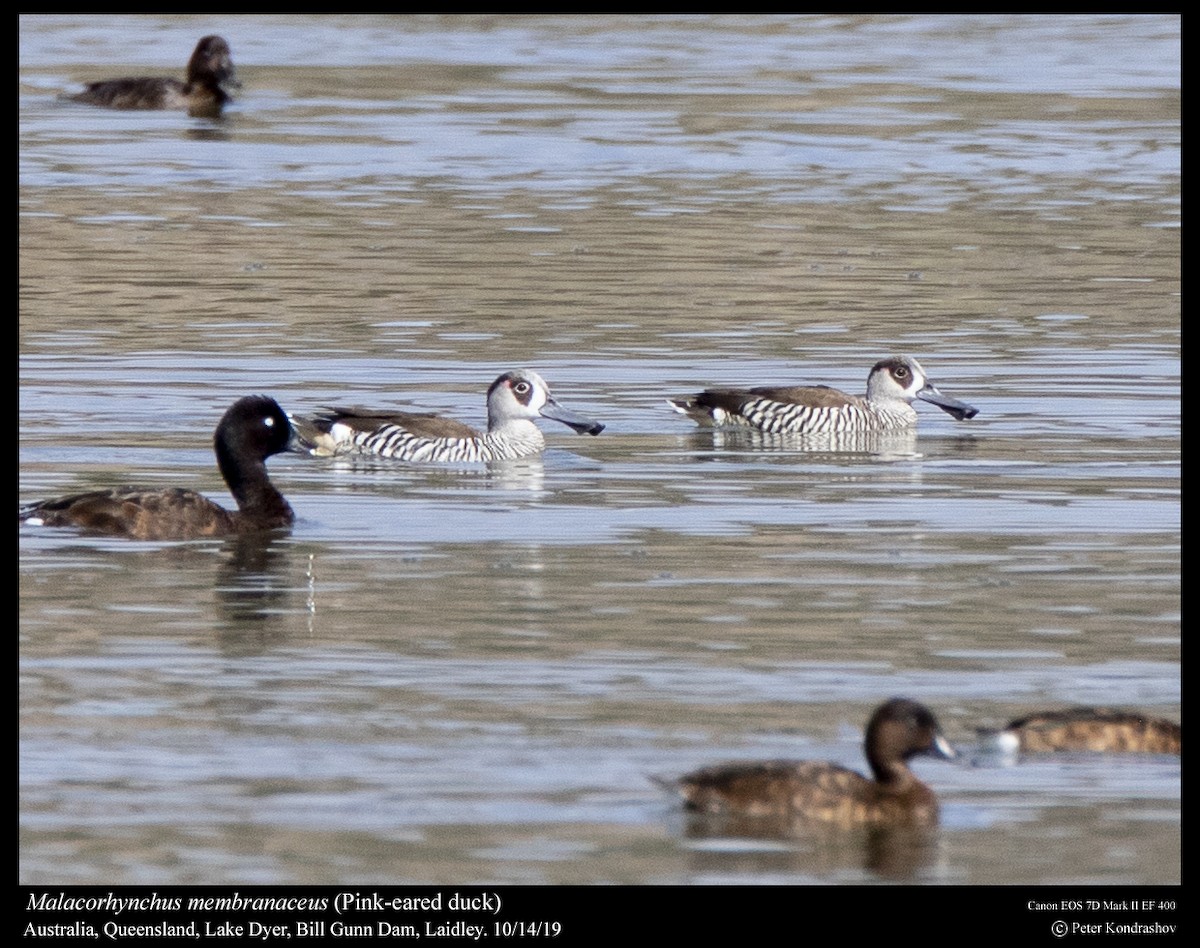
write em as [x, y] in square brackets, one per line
[252, 430]
[514, 401]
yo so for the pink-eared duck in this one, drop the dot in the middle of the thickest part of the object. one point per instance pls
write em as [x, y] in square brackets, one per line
[514, 400]
[819, 410]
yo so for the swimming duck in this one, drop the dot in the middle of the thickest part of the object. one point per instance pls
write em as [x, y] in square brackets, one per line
[252, 430]
[825, 793]
[1098, 730]
[892, 386]
[513, 400]
[210, 76]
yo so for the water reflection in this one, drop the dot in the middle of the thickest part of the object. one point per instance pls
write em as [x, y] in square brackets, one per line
[797, 848]
[886, 446]
[526, 474]
[255, 584]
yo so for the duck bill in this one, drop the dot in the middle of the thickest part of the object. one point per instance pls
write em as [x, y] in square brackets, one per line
[952, 406]
[943, 748]
[554, 410]
[299, 444]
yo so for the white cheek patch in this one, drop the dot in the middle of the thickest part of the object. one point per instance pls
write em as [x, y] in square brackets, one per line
[36, 522]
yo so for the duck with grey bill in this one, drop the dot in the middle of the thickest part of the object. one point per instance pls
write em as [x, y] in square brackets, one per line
[892, 386]
[826, 793]
[252, 430]
[514, 401]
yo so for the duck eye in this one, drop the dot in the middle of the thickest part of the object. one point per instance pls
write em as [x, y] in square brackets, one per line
[269, 422]
[901, 372]
[521, 388]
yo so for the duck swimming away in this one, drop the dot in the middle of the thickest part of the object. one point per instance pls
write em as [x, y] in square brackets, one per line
[1092, 730]
[514, 400]
[252, 430]
[892, 386]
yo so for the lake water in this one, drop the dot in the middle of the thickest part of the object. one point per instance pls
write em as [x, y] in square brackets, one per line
[466, 675]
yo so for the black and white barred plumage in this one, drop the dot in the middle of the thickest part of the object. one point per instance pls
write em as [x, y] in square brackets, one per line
[818, 409]
[514, 400]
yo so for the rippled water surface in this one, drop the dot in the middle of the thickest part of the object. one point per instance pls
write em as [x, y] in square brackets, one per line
[466, 674]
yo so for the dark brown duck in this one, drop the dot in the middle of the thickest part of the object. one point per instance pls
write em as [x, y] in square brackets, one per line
[826, 793]
[1095, 730]
[252, 430]
[210, 76]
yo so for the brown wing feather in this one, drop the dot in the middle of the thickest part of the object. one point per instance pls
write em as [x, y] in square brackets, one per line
[733, 400]
[819, 396]
[422, 424]
[820, 792]
[171, 514]
[139, 93]
[1100, 730]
